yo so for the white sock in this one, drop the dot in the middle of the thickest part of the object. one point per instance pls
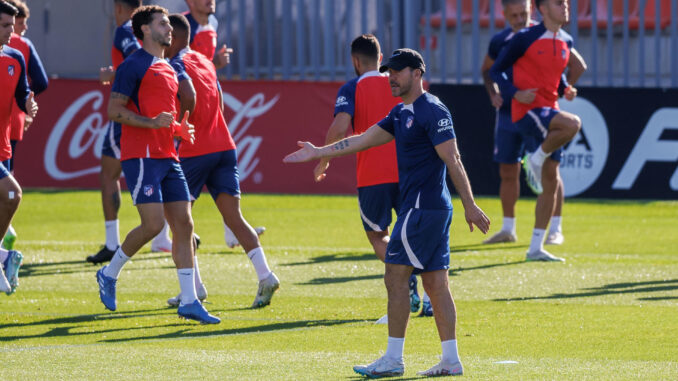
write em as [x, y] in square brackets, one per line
[450, 354]
[3, 256]
[164, 234]
[395, 348]
[258, 259]
[509, 225]
[556, 225]
[187, 284]
[198, 280]
[425, 297]
[113, 269]
[538, 157]
[228, 234]
[112, 234]
[537, 242]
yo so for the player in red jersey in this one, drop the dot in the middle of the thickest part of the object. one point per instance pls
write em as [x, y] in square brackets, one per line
[143, 100]
[204, 31]
[212, 160]
[14, 85]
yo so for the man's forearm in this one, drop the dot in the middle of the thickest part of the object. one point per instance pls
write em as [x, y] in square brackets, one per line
[125, 116]
[460, 181]
[346, 146]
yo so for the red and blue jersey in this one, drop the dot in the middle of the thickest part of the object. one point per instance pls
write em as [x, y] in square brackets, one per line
[151, 85]
[211, 131]
[203, 37]
[36, 75]
[538, 58]
[124, 43]
[367, 99]
[15, 90]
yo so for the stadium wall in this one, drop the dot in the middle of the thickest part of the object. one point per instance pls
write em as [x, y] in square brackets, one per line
[628, 147]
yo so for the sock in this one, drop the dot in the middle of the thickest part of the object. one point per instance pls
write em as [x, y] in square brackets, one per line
[425, 298]
[537, 242]
[450, 354]
[258, 259]
[3, 256]
[112, 234]
[395, 347]
[509, 225]
[119, 259]
[187, 284]
[198, 280]
[164, 234]
[556, 225]
[538, 157]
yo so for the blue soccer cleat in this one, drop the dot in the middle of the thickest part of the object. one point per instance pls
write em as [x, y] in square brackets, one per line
[195, 311]
[11, 267]
[415, 302]
[106, 289]
[426, 309]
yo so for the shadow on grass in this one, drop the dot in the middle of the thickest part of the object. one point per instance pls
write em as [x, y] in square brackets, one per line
[612, 289]
[384, 378]
[286, 326]
[91, 317]
[457, 270]
[70, 331]
[336, 257]
[74, 267]
[483, 247]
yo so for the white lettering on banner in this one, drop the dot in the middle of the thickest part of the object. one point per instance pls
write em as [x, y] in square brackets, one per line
[245, 113]
[651, 148]
[88, 134]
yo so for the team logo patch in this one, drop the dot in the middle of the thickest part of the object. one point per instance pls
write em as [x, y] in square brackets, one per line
[341, 101]
[10, 70]
[545, 112]
[444, 122]
[563, 53]
[409, 122]
[148, 190]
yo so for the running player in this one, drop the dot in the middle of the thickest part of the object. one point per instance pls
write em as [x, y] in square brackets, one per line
[38, 82]
[538, 57]
[362, 102]
[426, 148]
[143, 100]
[212, 161]
[14, 85]
[508, 143]
[124, 44]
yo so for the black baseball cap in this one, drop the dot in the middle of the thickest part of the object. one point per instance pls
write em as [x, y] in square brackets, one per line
[402, 58]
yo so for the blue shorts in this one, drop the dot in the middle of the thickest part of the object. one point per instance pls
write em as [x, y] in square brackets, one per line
[375, 203]
[10, 167]
[534, 126]
[111, 144]
[421, 239]
[4, 171]
[508, 142]
[155, 180]
[217, 170]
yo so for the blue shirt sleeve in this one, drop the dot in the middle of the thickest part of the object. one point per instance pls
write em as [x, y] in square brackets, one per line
[439, 125]
[22, 90]
[36, 71]
[507, 57]
[495, 46]
[125, 41]
[179, 67]
[126, 79]
[388, 123]
[346, 99]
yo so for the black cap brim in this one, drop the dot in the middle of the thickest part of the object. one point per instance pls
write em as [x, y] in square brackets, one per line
[398, 66]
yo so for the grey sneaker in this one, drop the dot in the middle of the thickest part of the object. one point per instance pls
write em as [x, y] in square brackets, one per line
[383, 367]
[443, 369]
[542, 255]
[176, 301]
[532, 175]
[266, 289]
[556, 238]
[502, 237]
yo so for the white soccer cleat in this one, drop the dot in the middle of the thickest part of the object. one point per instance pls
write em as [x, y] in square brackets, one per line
[532, 175]
[443, 369]
[556, 238]
[176, 301]
[382, 320]
[161, 245]
[543, 256]
[383, 367]
[232, 242]
[501, 237]
[266, 289]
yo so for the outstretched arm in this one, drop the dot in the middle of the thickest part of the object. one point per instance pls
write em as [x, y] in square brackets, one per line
[336, 132]
[374, 136]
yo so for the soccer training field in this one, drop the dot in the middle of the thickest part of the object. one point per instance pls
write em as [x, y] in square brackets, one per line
[609, 312]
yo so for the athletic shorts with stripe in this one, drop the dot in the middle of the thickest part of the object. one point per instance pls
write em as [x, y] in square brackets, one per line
[217, 170]
[375, 203]
[508, 142]
[534, 126]
[111, 143]
[4, 169]
[155, 180]
[421, 239]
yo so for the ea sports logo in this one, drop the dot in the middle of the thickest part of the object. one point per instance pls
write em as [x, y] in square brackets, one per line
[585, 156]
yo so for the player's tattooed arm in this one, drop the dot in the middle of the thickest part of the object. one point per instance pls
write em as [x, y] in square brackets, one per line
[118, 112]
[341, 145]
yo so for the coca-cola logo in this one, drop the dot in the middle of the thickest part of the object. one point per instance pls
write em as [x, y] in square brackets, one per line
[90, 133]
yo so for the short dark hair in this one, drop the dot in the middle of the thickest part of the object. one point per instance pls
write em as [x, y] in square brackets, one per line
[144, 16]
[366, 45]
[21, 7]
[507, 2]
[180, 22]
[538, 3]
[8, 8]
[133, 4]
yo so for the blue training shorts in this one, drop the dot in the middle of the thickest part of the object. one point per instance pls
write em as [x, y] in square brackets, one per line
[376, 202]
[534, 126]
[111, 144]
[217, 170]
[4, 171]
[421, 239]
[155, 180]
[508, 142]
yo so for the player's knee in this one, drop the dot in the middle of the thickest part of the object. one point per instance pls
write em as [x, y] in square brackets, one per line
[13, 199]
[152, 228]
[434, 285]
[573, 125]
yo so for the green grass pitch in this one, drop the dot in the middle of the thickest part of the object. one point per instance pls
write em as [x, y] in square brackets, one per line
[609, 312]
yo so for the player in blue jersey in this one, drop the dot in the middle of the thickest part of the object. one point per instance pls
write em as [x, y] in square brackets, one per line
[426, 149]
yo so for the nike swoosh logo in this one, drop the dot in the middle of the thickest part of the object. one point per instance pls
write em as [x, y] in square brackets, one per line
[391, 254]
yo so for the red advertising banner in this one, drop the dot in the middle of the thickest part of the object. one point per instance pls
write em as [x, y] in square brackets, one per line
[62, 148]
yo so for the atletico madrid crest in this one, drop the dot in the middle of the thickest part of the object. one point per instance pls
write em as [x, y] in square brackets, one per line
[10, 70]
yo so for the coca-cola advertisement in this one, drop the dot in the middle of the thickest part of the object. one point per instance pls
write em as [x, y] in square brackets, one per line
[62, 148]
